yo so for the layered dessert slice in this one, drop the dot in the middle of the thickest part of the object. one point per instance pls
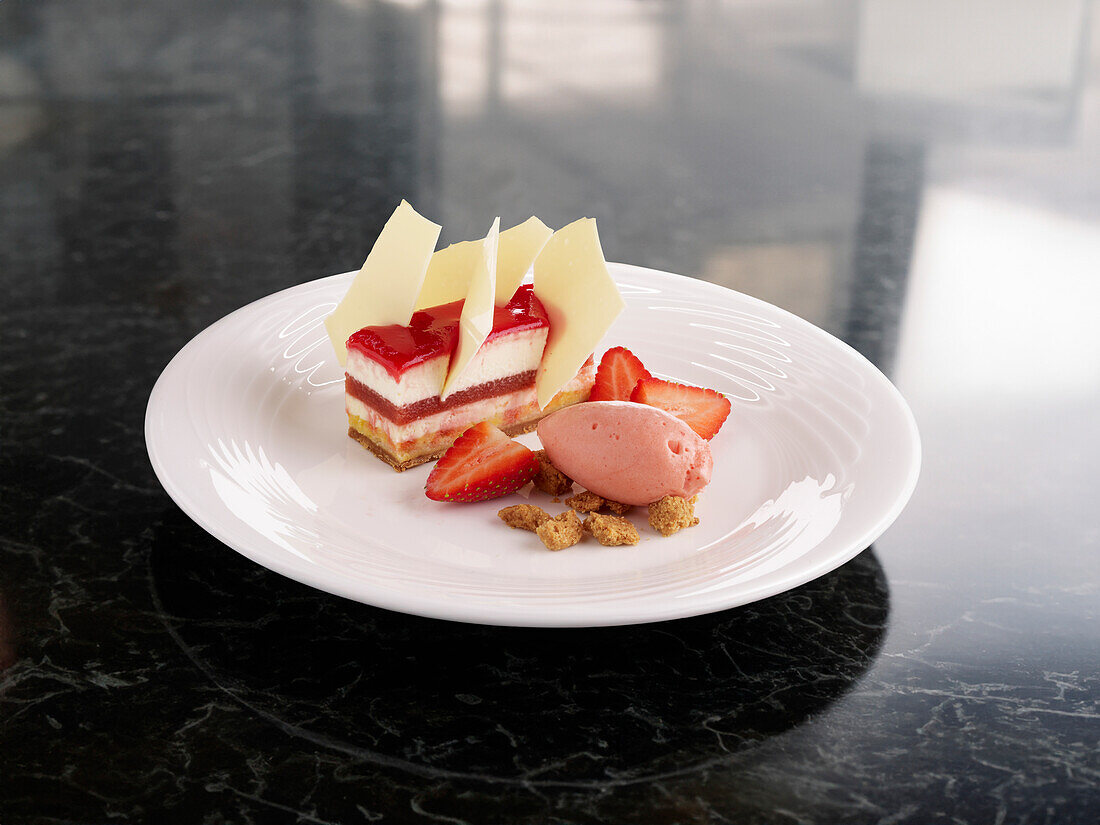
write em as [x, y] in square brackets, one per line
[395, 373]
[423, 363]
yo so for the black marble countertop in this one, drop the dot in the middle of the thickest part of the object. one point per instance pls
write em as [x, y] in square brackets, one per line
[920, 179]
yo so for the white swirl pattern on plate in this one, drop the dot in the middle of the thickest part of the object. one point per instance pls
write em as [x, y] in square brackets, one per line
[246, 431]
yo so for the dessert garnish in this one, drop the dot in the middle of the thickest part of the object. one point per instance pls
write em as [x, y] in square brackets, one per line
[704, 410]
[672, 514]
[483, 463]
[560, 532]
[585, 502]
[523, 516]
[386, 287]
[619, 372]
[626, 452]
[549, 478]
[611, 531]
[448, 277]
[667, 515]
[476, 320]
[581, 300]
[589, 502]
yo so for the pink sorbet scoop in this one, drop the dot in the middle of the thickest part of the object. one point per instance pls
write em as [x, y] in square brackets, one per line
[627, 452]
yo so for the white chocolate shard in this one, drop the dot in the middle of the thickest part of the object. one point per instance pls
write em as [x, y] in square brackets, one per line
[386, 287]
[449, 273]
[478, 310]
[519, 246]
[581, 300]
[451, 268]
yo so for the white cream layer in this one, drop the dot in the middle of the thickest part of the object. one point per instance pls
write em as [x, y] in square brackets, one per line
[460, 416]
[502, 357]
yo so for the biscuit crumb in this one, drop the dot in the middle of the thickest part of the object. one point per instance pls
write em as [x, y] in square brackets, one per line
[589, 502]
[611, 531]
[549, 478]
[524, 516]
[586, 502]
[561, 531]
[672, 514]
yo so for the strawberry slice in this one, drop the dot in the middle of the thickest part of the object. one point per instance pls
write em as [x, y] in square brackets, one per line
[704, 410]
[483, 463]
[618, 374]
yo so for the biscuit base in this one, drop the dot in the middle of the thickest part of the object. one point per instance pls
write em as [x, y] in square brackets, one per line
[415, 461]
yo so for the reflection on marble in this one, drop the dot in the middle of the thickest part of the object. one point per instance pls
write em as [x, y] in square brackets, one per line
[580, 709]
[8, 650]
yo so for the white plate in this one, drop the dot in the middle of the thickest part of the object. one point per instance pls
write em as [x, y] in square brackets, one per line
[246, 431]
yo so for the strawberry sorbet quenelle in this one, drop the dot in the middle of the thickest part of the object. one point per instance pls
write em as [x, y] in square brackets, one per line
[627, 452]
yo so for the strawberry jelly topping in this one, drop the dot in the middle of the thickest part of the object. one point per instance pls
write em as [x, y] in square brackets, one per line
[434, 331]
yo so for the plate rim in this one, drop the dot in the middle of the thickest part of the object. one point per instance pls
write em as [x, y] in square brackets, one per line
[556, 617]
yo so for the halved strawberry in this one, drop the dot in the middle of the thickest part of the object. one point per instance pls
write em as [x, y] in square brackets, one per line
[618, 373]
[483, 463]
[704, 410]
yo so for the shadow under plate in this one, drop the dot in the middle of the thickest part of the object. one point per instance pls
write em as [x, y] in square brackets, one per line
[534, 707]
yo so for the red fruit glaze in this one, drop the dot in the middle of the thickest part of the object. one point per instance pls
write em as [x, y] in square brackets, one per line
[434, 331]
